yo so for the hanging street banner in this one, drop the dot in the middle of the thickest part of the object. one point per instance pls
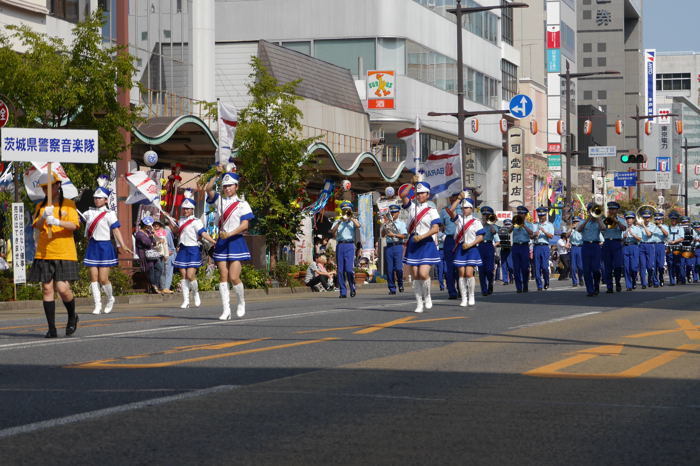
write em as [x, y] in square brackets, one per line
[365, 216]
[381, 90]
[516, 167]
[650, 81]
[49, 145]
[19, 262]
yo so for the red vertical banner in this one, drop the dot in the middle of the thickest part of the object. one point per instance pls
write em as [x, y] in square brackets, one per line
[553, 37]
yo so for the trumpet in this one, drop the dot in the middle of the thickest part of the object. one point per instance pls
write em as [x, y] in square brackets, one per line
[348, 214]
[491, 219]
[596, 211]
[518, 221]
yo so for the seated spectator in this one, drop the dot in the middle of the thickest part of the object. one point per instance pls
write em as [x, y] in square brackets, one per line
[317, 277]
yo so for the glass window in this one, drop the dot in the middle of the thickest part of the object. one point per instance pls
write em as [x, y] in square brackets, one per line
[587, 47]
[509, 79]
[587, 62]
[507, 25]
[69, 10]
[391, 55]
[602, 61]
[587, 95]
[345, 53]
[602, 46]
[299, 46]
[602, 95]
[587, 14]
[568, 41]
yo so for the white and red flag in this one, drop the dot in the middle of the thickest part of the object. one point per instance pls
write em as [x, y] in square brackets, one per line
[228, 120]
[32, 175]
[142, 189]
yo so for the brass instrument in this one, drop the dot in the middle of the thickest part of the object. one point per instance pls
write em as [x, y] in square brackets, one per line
[491, 219]
[387, 222]
[610, 222]
[518, 221]
[641, 209]
[596, 211]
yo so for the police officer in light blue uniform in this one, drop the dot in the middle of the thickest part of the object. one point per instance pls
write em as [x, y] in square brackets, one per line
[591, 253]
[612, 247]
[660, 239]
[631, 238]
[449, 228]
[520, 253]
[576, 241]
[543, 232]
[393, 252]
[344, 230]
[673, 259]
[647, 252]
[487, 251]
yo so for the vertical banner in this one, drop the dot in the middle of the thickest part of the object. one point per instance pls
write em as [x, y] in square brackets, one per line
[303, 246]
[650, 81]
[364, 216]
[516, 167]
[18, 258]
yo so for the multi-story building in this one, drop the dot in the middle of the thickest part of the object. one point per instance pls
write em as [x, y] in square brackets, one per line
[610, 38]
[414, 38]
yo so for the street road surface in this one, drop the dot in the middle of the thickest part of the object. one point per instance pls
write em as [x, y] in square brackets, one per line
[548, 377]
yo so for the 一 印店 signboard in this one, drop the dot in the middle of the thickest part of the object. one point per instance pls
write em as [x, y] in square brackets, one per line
[49, 145]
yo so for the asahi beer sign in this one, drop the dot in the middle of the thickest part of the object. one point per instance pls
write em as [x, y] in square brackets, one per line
[516, 167]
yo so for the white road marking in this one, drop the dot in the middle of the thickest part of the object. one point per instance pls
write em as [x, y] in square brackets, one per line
[62, 421]
[558, 319]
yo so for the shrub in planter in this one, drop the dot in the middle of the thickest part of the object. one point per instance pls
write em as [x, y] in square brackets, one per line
[121, 283]
[253, 278]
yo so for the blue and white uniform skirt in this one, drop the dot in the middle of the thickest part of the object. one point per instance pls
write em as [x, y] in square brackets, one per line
[231, 249]
[470, 257]
[100, 254]
[188, 257]
[422, 253]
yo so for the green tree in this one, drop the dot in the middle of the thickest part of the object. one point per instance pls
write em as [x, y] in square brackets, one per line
[54, 84]
[274, 164]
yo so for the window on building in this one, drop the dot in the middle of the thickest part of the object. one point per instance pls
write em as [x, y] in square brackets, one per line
[509, 79]
[345, 53]
[568, 41]
[673, 81]
[391, 55]
[602, 61]
[484, 24]
[587, 62]
[602, 46]
[587, 47]
[166, 33]
[587, 14]
[144, 36]
[299, 46]
[586, 2]
[587, 95]
[69, 10]
[507, 25]
[602, 95]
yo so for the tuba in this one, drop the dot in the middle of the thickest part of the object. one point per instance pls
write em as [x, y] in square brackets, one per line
[491, 219]
[596, 211]
[518, 221]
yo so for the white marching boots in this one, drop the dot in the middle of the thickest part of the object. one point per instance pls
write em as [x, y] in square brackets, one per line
[240, 307]
[426, 294]
[225, 301]
[185, 287]
[463, 291]
[471, 284]
[96, 296]
[418, 289]
[194, 288]
[110, 297]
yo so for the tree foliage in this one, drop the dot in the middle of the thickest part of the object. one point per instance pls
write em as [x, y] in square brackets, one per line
[273, 159]
[54, 84]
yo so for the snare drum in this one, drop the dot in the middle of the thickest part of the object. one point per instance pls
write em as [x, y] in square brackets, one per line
[687, 252]
[676, 249]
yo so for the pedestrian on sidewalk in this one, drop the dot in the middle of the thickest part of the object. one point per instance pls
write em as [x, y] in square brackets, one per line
[149, 256]
[563, 247]
[100, 255]
[317, 277]
[56, 260]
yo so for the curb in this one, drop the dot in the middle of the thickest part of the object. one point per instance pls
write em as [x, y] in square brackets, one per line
[6, 306]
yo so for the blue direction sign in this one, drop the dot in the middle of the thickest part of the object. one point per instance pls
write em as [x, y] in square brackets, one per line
[521, 106]
[625, 179]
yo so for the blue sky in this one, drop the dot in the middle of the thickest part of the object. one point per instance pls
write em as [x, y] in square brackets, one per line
[671, 25]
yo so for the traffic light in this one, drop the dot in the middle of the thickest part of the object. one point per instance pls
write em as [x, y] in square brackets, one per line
[632, 158]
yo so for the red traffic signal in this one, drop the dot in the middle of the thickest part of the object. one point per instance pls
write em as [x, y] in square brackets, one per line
[632, 158]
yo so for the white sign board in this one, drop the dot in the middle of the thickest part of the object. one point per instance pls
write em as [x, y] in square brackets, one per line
[516, 167]
[602, 151]
[49, 145]
[663, 180]
[18, 259]
[504, 214]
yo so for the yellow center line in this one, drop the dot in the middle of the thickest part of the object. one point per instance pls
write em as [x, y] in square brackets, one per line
[329, 329]
[377, 327]
[435, 320]
[658, 361]
[107, 364]
[684, 325]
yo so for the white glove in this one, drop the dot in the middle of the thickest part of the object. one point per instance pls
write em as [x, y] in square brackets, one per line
[48, 210]
[51, 220]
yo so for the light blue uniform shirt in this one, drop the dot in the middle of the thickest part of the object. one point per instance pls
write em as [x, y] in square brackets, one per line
[520, 235]
[614, 233]
[659, 236]
[540, 237]
[675, 232]
[441, 239]
[653, 229]
[346, 231]
[591, 232]
[632, 230]
[491, 233]
[401, 226]
[576, 239]
[450, 227]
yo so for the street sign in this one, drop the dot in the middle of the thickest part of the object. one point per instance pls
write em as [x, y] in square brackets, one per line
[663, 180]
[663, 164]
[49, 145]
[4, 114]
[554, 161]
[18, 258]
[625, 179]
[521, 106]
[602, 151]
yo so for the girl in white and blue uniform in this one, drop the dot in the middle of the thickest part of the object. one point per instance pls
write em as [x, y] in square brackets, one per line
[100, 254]
[421, 250]
[469, 233]
[234, 215]
[189, 255]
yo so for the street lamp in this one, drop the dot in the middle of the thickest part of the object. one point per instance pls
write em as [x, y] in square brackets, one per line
[568, 76]
[459, 11]
[686, 148]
